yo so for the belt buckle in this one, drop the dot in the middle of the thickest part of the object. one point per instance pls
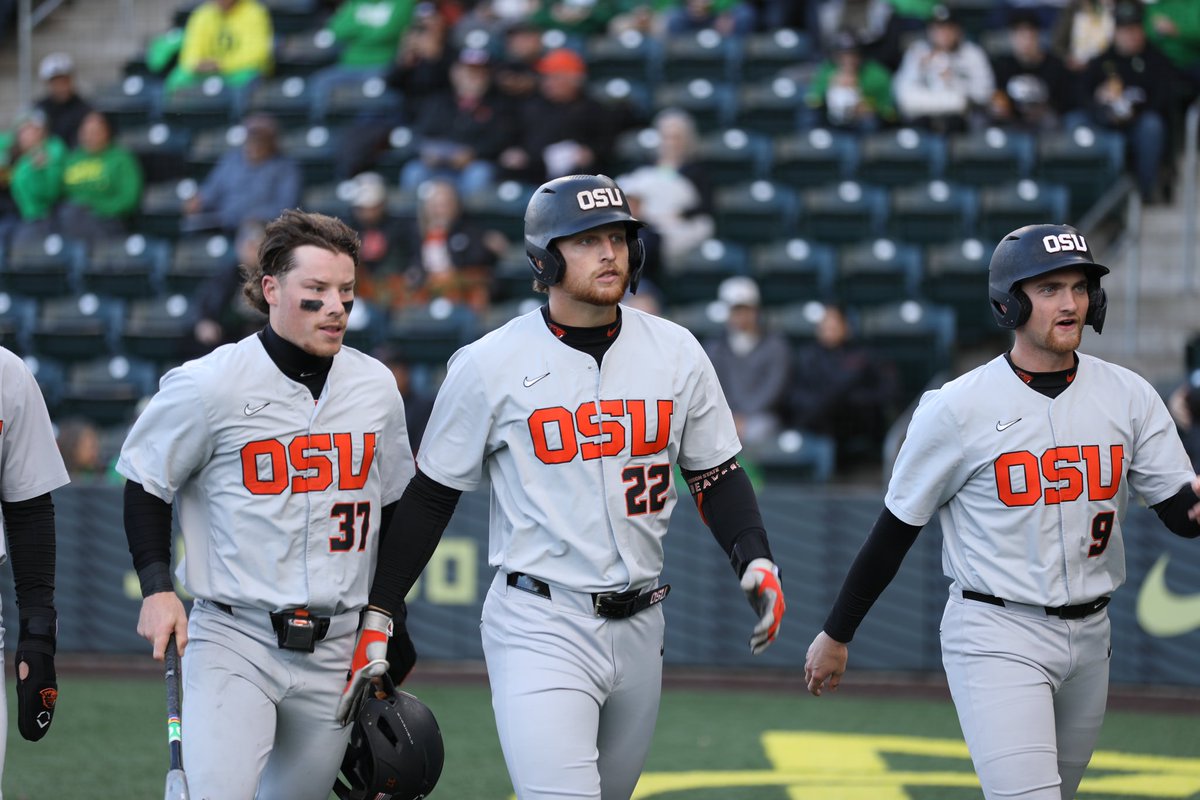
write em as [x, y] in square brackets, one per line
[599, 598]
[298, 629]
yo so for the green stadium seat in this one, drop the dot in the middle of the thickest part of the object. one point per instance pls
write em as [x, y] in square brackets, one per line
[430, 333]
[501, 208]
[288, 100]
[695, 276]
[17, 315]
[710, 104]
[793, 456]
[160, 148]
[704, 54]
[208, 104]
[106, 390]
[956, 276]
[900, 157]
[989, 157]
[918, 338]
[77, 328]
[314, 150]
[349, 101]
[843, 212]
[304, 53]
[128, 103]
[765, 55]
[772, 106]
[158, 329]
[753, 212]
[196, 259]
[629, 55]
[126, 266]
[814, 158]
[1003, 209]
[877, 272]
[930, 212]
[42, 267]
[793, 270]
[1085, 160]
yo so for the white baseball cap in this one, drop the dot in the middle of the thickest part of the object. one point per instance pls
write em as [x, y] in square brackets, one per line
[370, 190]
[738, 291]
[54, 65]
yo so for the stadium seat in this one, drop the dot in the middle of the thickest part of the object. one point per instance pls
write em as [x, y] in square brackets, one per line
[629, 55]
[1005, 208]
[900, 157]
[347, 102]
[705, 319]
[126, 266]
[753, 212]
[989, 157]
[334, 199]
[500, 208]
[17, 315]
[918, 338]
[814, 158]
[877, 272]
[42, 267]
[366, 327]
[128, 103]
[158, 329]
[797, 321]
[401, 148]
[512, 279]
[766, 54]
[1085, 160]
[956, 276]
[78, 327]
[793, 270]
[935, 211]
[106, 390]
[292, 16]
[430, 333]
[162, 207]
[304, 53]
[314, 150]
[710, 104]
[196, 259]
[289, 100]
[792, 456]
[160, 149]
[845, 212]
[704, 54]
[772, 107]
[629, 100]
[208, 104]
[695, 277]
[634, 149]
[733, 156]
[50, 376]
[208, 146]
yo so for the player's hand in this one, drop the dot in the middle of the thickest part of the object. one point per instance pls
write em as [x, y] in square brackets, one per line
[760, 582]
[162, 614]
[37, 684]
[826, 661]
[370, 661]
[401, 654]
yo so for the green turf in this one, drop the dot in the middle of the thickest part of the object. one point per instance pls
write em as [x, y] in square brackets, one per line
[108, 742]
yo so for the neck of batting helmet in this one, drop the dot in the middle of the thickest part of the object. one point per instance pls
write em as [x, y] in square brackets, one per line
[1035, 250]
[570, 205]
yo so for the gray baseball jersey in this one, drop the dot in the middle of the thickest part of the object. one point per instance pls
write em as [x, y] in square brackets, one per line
[1030, 492]
[581, 461]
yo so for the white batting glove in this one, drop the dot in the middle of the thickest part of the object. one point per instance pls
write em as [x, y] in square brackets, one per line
[760, 582]
[370, 661]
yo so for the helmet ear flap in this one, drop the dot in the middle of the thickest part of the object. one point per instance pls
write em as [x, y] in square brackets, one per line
[637, 257]
[1025, 306]
[546, 263]
[1097, 306]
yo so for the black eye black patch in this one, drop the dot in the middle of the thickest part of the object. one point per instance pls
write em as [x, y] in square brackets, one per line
[349, 304]
[311, 305]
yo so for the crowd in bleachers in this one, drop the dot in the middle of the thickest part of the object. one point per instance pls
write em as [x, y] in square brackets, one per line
[854, 160]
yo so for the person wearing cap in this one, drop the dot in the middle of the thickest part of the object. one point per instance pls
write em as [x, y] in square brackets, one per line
[251, 182]
[62, 105]
[751, 362]
[102, 183]
[944, 80]
[1129, 89]
[380, 253]
[562, 131]
[849, 91]
[460, 134]
[232, 39]
[31, 159]
[1034, 88]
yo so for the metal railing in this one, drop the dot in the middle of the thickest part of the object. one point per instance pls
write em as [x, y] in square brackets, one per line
[1191, 127]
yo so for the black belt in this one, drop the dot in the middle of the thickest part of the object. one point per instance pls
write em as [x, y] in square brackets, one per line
[611, 605]
[296, 629]
[1063, 612]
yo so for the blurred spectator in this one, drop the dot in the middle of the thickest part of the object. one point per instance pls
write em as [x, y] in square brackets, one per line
[418, 403]
[674, 194]
[380, 254]
[516, 75]
[230, 38]
[223, 314]
[850, 92]
[1033, 87]
[254, 182]
[562, 131]
[727, 17]
[1173, 26]
[367, 34]
[573, 17]
[102, 183]
[751, 362]
[461, 134]
[873, 24]
[648, 297]
[33, 159]
[1083, 31]
[839, 388]
[62, 105]
[80, 446]
[1184, 404]
[448, 255]
[944, 81]
[1130, 87]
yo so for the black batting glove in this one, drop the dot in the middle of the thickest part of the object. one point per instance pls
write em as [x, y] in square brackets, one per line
[37, 693]
[401, 653]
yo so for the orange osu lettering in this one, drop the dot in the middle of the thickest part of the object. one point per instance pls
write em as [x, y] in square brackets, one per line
[597, 430]
[1020, 475]
[305, 463]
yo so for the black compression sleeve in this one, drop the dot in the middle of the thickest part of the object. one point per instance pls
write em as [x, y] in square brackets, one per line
[1174, 513]
[422, 514]
[148, 531]
[385, 519]
[873, 569]
[31, 548]
[729, 508]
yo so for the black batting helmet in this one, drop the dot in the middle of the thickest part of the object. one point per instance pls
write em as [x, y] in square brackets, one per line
[573, 204]
[1035, 250]
[395, 750]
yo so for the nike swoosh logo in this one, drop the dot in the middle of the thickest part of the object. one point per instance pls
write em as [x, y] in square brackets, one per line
[1162, 612]
[531, 381]
[1003, 426]
[250, 411]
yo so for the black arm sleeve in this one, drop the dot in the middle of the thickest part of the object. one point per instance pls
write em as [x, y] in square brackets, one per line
[729, 507]
[385, 519]
[1174, 513]
[873, 569]
[31, 548]
[421, 516]
[148, 531]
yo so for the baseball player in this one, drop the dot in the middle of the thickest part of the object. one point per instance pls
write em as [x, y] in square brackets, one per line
[284, 454]
[1029, 461]
[578, 413]
[30, 469]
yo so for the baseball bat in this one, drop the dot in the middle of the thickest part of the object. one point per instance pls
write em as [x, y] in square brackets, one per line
[177, 788]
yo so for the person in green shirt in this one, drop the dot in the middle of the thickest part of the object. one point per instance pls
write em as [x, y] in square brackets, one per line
[102, 183]
[1173, 26]
[31, 163]
[848, 91]
[367, 34]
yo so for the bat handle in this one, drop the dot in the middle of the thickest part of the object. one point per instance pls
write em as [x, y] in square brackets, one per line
[174, 714]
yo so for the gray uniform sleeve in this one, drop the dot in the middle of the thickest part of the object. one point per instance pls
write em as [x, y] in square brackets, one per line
[1160, 466]
[709, 434]
[456, 438]
[30, 463]
[929, 468]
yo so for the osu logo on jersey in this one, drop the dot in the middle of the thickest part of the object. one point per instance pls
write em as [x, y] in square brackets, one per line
[602, 197]
[1019, 475]
[1064, 241]
[598, 429]
[266, 462]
